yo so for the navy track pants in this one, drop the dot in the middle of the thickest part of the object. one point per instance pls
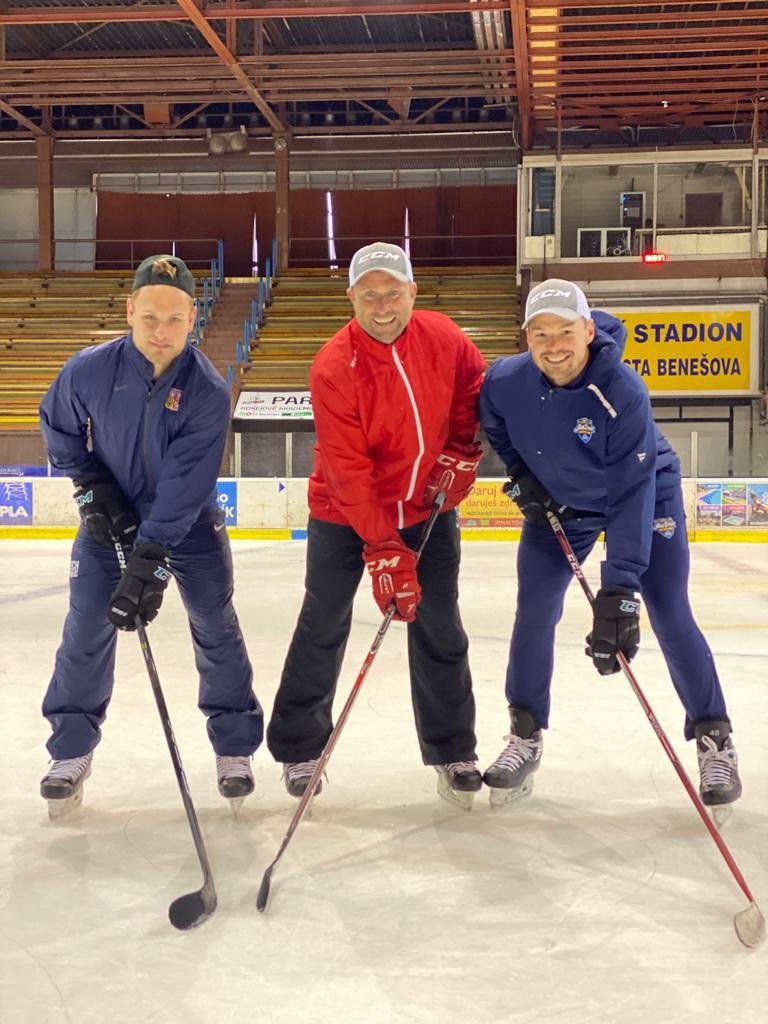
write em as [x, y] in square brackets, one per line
[543, 577]
[80, 690]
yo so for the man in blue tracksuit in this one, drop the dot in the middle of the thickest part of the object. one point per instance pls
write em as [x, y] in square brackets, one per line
[140, 424]
[573, 425]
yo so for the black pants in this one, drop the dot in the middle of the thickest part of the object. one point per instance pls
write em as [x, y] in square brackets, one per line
[441, 684]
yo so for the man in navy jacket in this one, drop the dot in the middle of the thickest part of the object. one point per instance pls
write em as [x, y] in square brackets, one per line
[573, 425]
[140, 424]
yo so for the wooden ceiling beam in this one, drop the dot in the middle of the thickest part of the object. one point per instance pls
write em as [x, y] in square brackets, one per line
[642, 16]
[682, 5]
[620, 47]
[735, 32]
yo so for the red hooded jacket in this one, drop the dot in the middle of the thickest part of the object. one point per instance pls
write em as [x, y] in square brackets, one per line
[383, 414]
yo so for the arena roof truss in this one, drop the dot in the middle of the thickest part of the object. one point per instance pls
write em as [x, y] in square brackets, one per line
[545, 70]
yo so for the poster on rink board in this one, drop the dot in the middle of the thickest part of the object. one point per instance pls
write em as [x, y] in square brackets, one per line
[732, 503]
[719, 503]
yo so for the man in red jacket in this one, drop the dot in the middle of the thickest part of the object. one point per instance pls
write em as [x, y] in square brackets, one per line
[394, 395]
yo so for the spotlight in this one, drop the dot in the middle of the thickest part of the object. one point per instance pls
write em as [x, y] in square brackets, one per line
[329, 118]
[227, 142]
[98, 122]
[72, 123]
[124, 121]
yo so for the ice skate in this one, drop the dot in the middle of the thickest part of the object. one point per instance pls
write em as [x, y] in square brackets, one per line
[510, 775]
[457, 782]
[62, 786]
[297, 775]
[235, 778]
[719, 782]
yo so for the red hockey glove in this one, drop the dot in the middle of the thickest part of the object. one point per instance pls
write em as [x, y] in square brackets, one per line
[392, 566]
[454, 473]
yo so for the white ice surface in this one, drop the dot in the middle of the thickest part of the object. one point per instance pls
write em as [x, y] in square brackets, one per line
[600, 899]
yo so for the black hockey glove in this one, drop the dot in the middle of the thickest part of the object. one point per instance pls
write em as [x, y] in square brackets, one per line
[615, 627]
[531, 497]
[104, 509]
[141, 587]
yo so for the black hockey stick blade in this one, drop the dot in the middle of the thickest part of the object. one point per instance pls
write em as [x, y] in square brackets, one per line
[261, 899]
[750, 926]
[193, 909]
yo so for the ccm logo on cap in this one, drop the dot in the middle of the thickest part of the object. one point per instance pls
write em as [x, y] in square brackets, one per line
[549, 293]
[377, 255]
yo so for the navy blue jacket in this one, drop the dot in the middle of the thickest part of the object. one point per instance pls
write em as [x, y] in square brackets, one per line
[162, 442]
[593, 444]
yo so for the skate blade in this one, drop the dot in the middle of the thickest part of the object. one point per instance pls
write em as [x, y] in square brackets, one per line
[235, 803]
[61, 808]
[502, 797]
[457, 797]
[721, 814]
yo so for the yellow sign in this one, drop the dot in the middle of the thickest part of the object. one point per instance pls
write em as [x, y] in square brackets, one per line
[487, 505]
[707, 351]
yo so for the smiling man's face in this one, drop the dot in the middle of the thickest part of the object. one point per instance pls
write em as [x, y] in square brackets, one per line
[382, 305]
[559, 347]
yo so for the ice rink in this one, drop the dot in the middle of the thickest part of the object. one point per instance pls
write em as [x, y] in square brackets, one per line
[601, 898]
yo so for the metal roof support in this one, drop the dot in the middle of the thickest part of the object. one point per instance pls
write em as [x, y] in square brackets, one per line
[228, 58]
[45, 255]
[522, 71]
[30, 125]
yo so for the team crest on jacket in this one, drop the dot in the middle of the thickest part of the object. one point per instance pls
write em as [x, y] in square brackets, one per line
[666, 527]
[584, 429]
[173, 401]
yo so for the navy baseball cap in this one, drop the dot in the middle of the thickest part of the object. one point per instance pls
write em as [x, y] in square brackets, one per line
[164, 269]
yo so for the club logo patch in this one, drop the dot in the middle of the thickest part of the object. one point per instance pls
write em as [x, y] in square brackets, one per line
[584, 429]
[666, 527]
[173, 401]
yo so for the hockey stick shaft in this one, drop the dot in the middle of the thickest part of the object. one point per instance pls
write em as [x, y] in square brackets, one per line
[573, 561]
[192, 909]
[263, 896]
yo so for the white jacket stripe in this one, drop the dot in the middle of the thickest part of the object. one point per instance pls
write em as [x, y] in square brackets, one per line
[419, 434]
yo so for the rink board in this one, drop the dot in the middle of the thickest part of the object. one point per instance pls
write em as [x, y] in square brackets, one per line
[258, 508]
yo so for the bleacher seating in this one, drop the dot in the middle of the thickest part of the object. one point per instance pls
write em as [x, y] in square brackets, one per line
[308, 307]
[45, 319]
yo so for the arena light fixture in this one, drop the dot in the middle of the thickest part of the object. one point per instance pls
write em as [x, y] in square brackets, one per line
[220, 143]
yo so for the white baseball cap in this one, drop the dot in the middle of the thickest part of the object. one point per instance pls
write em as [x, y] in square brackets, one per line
[558, 297]
[380, 256]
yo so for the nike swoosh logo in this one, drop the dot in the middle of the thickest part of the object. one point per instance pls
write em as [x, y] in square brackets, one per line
[219, 526]
[120, 387]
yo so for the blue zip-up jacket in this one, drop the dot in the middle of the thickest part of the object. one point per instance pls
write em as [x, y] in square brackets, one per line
[592, 444]
[162, 441]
